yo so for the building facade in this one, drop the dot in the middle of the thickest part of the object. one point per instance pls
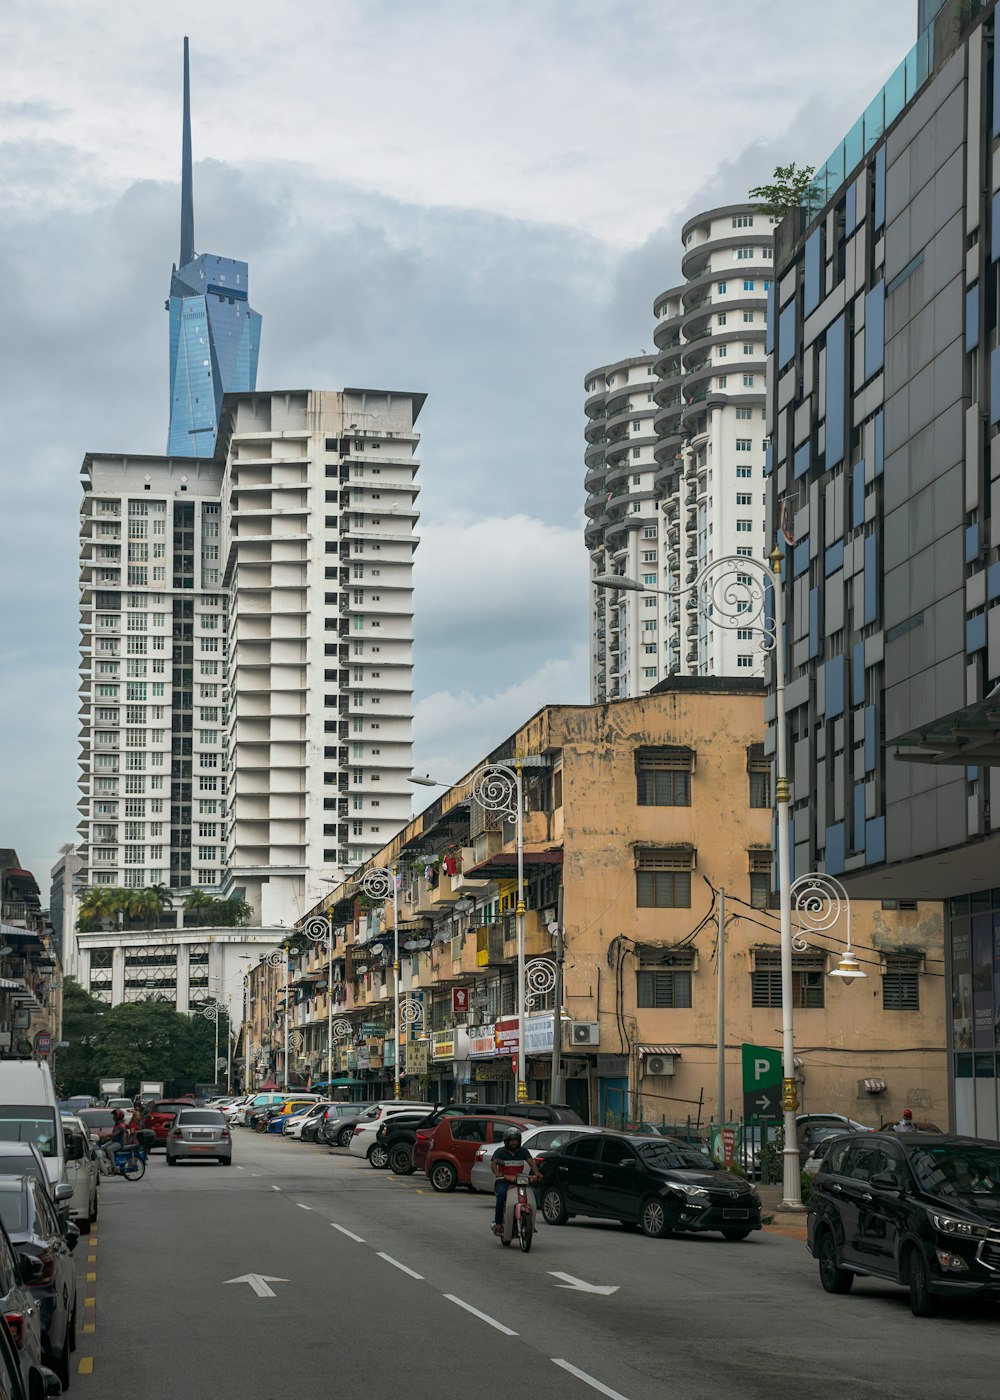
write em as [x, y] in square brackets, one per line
[30, 970]
[884, 411]
[674, 465]
[638, 814]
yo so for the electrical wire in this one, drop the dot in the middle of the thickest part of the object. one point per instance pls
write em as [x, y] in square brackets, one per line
[872, 962]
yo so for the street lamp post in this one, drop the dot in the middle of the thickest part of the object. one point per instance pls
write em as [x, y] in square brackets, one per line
[379, 883]
[731, 592]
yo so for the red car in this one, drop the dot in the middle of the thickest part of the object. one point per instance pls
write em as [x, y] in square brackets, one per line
[159, 1117]
[452, 1150]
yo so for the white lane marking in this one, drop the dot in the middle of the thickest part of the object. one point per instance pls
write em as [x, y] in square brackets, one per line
[483, 1317]
[239, 1168]
[302, 1207]
[588, 1380]
[259, 1283]
[349, 1233]
[578, 1285]
[275, 1188]
[397, 1265]
[255, 1173]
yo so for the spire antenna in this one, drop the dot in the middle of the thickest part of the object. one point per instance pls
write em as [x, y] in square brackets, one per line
[187, 182]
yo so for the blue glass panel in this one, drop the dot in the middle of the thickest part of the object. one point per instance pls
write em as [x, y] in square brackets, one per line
[858, 823]
[972, 317]
[875, 841]
[993, 582]
[834, 860]
[813, 623]
[836, 406]
[871, 579]
[851, 208]
[769, 337]
[995, 385]
[836, 674]
[834, 558]
[854, 146]
[768, 459]
[813, 281]
[875, 330]
[858, 674]
[800, 462]
[857, 494]
[874, 121]
[800, 557]
[880, 188]
[972, 537]
[786, 335]
[879, 444]
[975, 633]
[871, 739]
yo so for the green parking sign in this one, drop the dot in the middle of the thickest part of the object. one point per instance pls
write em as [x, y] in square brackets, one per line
[761, 1082]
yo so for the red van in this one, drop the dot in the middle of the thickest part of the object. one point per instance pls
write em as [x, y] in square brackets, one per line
[452, 1150]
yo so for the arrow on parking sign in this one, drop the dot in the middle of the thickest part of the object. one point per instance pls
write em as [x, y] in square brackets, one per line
[259, 1283]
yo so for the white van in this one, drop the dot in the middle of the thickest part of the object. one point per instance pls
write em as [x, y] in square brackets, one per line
[29, 1112]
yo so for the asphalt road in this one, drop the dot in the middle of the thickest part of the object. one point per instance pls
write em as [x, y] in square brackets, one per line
[383, 1287]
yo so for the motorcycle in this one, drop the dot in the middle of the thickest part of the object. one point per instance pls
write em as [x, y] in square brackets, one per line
[519, 1213]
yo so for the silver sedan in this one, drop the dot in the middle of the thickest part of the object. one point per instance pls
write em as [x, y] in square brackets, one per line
[199, 1132]
[549, 1137]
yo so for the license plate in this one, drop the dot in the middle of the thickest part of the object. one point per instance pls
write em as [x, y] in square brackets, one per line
[736, 1215]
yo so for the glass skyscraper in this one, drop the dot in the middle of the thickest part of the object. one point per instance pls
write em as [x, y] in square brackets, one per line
[214, 333]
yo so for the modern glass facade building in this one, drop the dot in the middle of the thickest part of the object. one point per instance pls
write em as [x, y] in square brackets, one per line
[214, 333]
[884, 472]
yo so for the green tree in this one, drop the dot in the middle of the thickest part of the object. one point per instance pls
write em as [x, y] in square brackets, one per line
[150, 1040]
[786, 192]
[82, 1015]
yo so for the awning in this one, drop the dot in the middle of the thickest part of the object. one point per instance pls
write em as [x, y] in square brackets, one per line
[503, 866]
[660, 1050]
[968, 737]
[12, 931]
[6, 985]
[875, 1086]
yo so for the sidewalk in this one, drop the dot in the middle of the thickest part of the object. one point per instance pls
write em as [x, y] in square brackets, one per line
[783, 1222]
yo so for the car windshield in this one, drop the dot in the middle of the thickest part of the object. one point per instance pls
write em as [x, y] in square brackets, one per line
[957, 1169]
[207, 1116]
[13, 1207]
[29, 1123]
[21, 1165]
[685, 1159]
[97, 1117]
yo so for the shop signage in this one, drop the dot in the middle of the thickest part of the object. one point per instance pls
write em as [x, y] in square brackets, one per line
[43, 1043]
[538, 1033]
[362, 1057]
[460, 1000]
[488, 1074]
[417, 1057]
[443, 1045]
[372, 1028]
[389, 1055]
[506, 1037]
[482, 1043]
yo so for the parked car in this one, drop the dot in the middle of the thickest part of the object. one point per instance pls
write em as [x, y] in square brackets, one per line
[23, 1318]
[453, 1148]
[98, 1122]
[312, 1123]
[36, 1232]
[537, 1112]
[77, 1101]
[395, 1135]
[275, 1120]
[295, 1124]
[367, 1126]
[539, 1140]
[338, 1124]
[662, 1185]
[809, 1135]
[199, 1132]
[83, 1172]
[920, 1210]
[29, 1112]
[21, 1379]
[159, 1117]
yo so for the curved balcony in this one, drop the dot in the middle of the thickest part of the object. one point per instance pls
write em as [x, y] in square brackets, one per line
[593, 477]
[630, 415]
[666, 334]
[595, 403]
[594, 430]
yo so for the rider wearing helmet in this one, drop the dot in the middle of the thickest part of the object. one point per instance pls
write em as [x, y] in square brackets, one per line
[507, 1164]
[116, 1139]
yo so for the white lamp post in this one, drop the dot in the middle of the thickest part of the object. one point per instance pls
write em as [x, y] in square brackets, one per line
[379, 883]
[731, 592]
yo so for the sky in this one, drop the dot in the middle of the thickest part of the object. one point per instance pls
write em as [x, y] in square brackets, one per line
[476, 200]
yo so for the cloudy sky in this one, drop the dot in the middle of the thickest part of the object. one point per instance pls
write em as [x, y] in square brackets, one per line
[477, 200]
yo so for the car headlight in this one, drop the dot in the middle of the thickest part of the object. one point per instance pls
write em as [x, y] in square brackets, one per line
[948, 1225]
[694, 1190]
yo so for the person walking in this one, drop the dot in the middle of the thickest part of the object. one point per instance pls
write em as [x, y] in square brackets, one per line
[905, 1124]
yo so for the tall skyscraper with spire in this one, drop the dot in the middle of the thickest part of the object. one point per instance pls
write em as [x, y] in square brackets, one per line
[214, 333]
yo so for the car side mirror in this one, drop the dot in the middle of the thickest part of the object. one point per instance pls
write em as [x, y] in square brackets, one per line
[885, 1181]
[71, 1235]
[31, 1269]
[64, 1191]
[50, 1383]
[74, 1149]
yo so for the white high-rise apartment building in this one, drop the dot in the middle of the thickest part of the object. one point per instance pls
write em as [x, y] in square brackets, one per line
[709, 452]
[319, 506]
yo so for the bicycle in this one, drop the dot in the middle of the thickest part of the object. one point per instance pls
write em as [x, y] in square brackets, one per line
[519, 1214]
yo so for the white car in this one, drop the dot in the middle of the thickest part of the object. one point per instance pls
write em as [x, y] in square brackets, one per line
[374, 1117]
[294, 1124]
[83, 1173]
[548, 1137]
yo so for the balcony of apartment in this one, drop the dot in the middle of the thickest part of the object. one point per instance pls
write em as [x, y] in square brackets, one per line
[594, 405]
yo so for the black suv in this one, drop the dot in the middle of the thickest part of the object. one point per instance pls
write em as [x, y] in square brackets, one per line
[921, 1210]
[663, 1185]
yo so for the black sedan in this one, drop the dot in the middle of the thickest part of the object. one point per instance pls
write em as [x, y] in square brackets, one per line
[663, 1185]
[46, 1243]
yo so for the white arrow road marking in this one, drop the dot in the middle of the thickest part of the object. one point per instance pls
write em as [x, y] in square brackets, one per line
[483, 1317]
[259, 1283]
[302, 1207]
[397, 1265]
[580, 1286]
[588, 1380]
[349, 1233]
[275, 1188]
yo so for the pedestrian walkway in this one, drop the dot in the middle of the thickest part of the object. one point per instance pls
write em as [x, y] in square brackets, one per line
[783, 1222]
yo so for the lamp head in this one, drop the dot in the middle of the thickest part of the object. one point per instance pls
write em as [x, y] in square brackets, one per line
[848, 968]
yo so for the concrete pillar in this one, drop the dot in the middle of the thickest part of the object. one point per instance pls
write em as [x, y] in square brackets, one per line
[118, 976]
[183, 977]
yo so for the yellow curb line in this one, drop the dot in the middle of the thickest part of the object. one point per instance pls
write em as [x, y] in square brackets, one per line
[91, 1278]
[90, 1326]
[92, 1240]
[88, 1302]
[91, 1258]
[86, 1366]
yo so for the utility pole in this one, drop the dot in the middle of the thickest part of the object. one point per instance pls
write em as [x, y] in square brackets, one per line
[720, 1018]
[555, 1089]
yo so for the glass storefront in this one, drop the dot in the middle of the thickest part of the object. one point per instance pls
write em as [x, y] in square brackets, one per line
[974, 1021]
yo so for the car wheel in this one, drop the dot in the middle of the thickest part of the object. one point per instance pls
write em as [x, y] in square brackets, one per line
[95, 1207]
[225, 1161]
[653, 1219]
[83, 1222]
[922, 1300]
[344, 1137]
[443, 1176]
[833, 1278]
[171, 1161]
[401, 1161]
[736, 1234]
[378, 1156]
[61, 1365]
[554, 1210]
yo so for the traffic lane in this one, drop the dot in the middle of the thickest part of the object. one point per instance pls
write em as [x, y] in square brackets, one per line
[220, 1283]
[697, 1289]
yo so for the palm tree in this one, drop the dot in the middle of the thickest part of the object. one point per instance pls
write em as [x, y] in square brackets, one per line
[96, 905]
[201, 904]
[164, 900]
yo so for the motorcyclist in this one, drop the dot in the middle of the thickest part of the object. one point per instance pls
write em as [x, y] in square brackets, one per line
[507, 1164]
[116, 1139]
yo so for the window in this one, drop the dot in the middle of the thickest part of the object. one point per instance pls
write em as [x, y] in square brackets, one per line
[759, 772]
[748, 318]
[807, 979]
[744, 551]
[649, 556]
[723, 381]
[207, 852]
[744, 444]
[743, 526]
[636, 451]
[744, 661]
[721, 318]
[744, 498]
[761, 894]
[663, 979]
[744, 473]
[743, 221]
[748, 285]
[901, 984]
[722, 289]
[721, 352]
[649, 532]
[663, 878]
[743, 254]
[207, 784]
[747, 349]
[663, 776]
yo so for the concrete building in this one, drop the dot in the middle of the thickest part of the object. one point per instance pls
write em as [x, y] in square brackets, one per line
[319, 516]
[884, 413]
[66, 886]
[30, 971]
[644, 809]
[674, 465]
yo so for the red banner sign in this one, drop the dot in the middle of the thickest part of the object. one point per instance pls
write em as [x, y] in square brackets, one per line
[460, 1000]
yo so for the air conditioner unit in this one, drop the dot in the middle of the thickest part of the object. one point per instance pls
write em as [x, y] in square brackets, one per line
[548, 916]
[585, 1033]
[658, 1064]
